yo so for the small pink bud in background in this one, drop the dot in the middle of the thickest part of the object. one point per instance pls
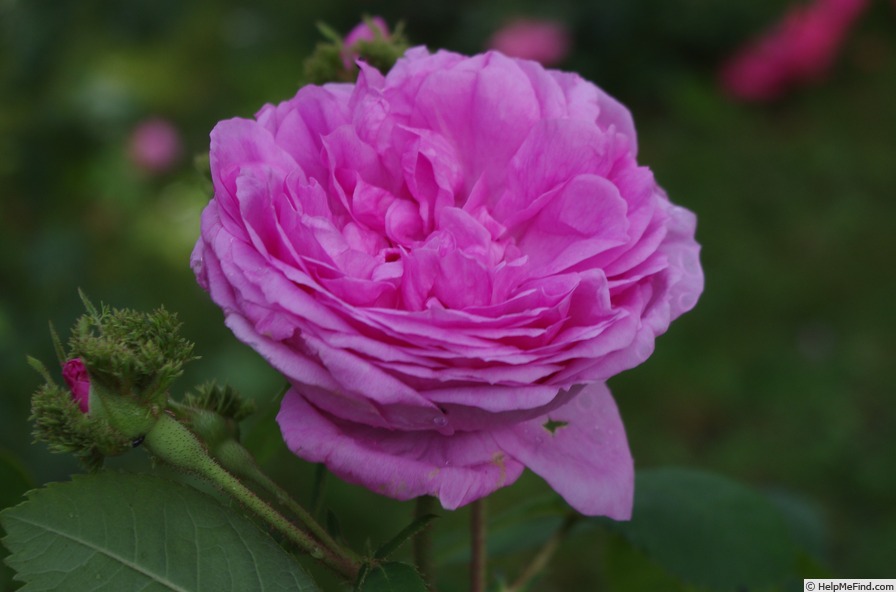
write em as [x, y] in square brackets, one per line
[799, 49]
[154, 145]
[547, 42]
[362, 32]
[77, 379]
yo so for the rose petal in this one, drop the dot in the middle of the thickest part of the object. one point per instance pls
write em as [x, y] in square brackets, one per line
[299, 126]
[457, 469]
[581, 450]
[591, 103]
[484, 105]
[584, 218]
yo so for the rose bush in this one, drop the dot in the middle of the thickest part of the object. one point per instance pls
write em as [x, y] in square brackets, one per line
[800, 48]
[544, 41]
[446, 262]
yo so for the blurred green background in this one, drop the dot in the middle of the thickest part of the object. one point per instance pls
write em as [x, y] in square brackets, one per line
[783, 376]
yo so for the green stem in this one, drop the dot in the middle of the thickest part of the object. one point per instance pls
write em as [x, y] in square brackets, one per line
[477, 546]
[425, 504]
[238, 460]
[175, 444]
[544, 555]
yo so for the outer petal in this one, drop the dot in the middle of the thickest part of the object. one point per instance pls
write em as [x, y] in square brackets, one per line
[683, 252]
[582, 98]
[586, 460]
[457, 469]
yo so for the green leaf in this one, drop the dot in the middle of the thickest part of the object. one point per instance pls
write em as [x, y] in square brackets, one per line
[117, 531]
[709, 530]
[392, 577]
[804, 520]
[407, 532]
[627, 569]
[14, 481]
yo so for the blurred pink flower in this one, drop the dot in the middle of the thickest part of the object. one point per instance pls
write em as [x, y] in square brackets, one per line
[78, 381]
[546, 42]
[362, 32]
[799, 49]
[154, 145]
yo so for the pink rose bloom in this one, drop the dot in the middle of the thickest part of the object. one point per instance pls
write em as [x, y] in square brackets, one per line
[362, 32]
[75, 375]
[543, 41]
[155, 146]
[800, 48]
[447, 262]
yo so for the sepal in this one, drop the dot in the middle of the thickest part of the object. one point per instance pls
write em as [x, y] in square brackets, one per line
[335, 60]
[60, 424]
[128, 353]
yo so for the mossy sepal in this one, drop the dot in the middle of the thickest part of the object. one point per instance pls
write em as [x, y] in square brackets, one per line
[128, 353]
[334, 59]
[129, 416]
[60, 423]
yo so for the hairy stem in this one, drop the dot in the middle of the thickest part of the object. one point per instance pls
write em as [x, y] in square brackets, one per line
[249, 469]
[477, 546]
[172, 442]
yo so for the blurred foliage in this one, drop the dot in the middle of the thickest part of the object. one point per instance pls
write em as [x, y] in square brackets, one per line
[782, 377]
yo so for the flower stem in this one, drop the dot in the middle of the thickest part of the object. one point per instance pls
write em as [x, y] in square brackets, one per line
[172, 442]
[544, 555]
[477, 546]
[246, 467]
[424, 505]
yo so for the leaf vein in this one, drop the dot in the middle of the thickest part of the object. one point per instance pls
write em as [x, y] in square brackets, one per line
[97, 549]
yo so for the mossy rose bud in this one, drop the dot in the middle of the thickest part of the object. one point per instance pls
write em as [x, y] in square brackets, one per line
[118, 368]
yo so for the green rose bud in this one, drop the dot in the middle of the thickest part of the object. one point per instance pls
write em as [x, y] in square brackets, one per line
[370, 41]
